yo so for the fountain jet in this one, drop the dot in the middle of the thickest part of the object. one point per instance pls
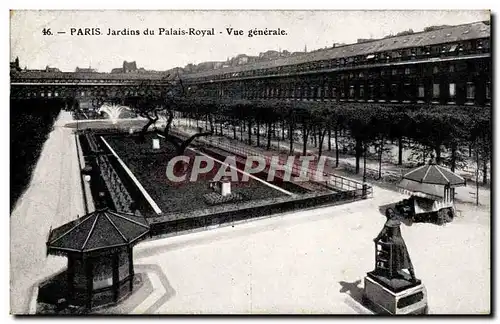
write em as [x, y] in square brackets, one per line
[113, 111]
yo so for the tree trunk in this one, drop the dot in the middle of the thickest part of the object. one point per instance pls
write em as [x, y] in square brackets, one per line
[329, 139]
[477, 174]
[315, 136]
[400, 150]
[453, 161]
[321, 140]
[359, 153]
[249, 132]
[336, 147]
[381, 150]
[290, 137]
[221, 130]
[438, 153]
[269, 132]
[485, 168]
[234, 130]
[242, 124]
[258, 133]
[283, 130]
[304, 139]
[364, 162]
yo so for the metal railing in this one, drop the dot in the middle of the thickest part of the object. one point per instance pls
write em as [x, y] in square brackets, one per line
[334, 181]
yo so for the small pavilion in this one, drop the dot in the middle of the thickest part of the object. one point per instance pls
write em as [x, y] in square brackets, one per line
[100, 259]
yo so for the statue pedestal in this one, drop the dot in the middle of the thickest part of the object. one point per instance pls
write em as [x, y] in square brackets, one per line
[394, 296]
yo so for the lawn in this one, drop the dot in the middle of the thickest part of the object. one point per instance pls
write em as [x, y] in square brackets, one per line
[149, 167]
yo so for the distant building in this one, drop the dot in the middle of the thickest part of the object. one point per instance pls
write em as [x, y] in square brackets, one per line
[129, 67]
[14, 66]
[49, 69]
[85, 70]
[269, 55]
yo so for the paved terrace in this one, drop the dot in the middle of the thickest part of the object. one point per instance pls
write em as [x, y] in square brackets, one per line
[53, 198]
[306, 262]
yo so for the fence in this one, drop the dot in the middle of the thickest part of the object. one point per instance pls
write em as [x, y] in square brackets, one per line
[118, 192]
[245, 211]
[313, 172]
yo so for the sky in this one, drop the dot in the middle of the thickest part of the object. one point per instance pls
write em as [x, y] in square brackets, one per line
[314, 29]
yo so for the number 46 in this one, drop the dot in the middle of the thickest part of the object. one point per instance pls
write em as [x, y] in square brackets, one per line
[46, 31]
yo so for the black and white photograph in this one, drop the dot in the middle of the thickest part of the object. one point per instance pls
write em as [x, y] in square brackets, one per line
[250, 162]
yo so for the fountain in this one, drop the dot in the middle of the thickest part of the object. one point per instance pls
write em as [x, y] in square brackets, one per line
[113, 111]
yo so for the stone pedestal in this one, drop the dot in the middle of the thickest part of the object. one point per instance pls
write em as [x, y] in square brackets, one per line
[156, 143]
[225, 187]
[396, 296]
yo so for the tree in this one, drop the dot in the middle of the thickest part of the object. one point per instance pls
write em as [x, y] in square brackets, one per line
[205, 108]
[148, 102]
[359, 121]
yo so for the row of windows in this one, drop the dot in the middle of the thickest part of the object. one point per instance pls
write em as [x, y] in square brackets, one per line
[393, 92]
[440, 50]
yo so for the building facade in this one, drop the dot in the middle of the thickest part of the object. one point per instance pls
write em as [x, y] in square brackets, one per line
[447, 66]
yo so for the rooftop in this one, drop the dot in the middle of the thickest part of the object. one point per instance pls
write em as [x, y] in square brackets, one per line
[445, 35]
[98, 230]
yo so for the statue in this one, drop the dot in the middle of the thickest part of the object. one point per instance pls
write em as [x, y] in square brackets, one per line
[388, 289]
[399, 259]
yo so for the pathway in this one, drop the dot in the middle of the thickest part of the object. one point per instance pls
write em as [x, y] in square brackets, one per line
[54, 197]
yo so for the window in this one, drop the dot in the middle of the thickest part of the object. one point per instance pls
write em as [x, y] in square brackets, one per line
[421, 91]
[361, 74]
[82, 94]
[407, 91]
[452, 90]
[351, 91]
[488, 93]
[471, 91]
[383, 92]
[435, 69]
[394, 91]
[334, 92]
[435, 90]
[371, 91]
[451, 68]
[394, 71]
[361, 92]
[407, 71]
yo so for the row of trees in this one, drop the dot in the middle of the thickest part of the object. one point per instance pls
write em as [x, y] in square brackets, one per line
[448, 133]
[457, 131]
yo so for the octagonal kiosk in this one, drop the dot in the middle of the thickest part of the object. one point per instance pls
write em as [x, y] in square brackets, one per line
[99, 250]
